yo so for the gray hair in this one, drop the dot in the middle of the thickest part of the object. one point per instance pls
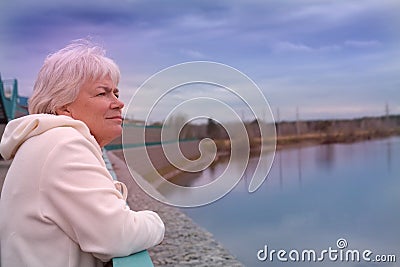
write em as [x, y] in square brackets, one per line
[64, 72]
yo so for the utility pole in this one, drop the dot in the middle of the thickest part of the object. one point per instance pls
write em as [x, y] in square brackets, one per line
[386, 114]
[387, 109]
[297, 121]
[278, 120]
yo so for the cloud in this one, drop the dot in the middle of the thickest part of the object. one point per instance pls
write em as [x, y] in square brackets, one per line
[311, 45]
[291, 47]
[193, 53]
[362, 44]
[284, 46]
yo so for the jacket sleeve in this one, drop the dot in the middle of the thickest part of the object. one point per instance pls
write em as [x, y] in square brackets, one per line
[79, 196]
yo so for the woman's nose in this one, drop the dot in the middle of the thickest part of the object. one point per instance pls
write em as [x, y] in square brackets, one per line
[117, 103]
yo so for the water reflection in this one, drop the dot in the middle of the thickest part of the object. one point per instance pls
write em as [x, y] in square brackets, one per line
[326, 156]
[389, 155]
[299, 164]
[289, 161]
[312, 197]
[280, 170]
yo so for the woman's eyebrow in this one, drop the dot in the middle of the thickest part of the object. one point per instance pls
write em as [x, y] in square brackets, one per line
[108, 89]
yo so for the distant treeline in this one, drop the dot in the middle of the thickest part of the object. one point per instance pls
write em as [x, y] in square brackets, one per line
[288, 132]
[321, 131]
[371, 124]
[334, 131]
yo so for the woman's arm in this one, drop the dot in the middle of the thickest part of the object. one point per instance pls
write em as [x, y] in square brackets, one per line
[80, 197]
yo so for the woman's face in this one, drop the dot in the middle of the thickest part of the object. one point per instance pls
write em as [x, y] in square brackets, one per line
[98, 106]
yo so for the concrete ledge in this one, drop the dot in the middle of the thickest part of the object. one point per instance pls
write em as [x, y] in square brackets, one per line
[185, 243]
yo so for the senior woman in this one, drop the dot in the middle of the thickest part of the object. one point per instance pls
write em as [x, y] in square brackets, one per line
[59, 205]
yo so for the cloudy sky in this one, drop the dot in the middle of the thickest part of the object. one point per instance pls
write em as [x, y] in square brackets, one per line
[326, 59]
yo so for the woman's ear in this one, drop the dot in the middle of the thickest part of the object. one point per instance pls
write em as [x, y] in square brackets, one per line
[64, 110]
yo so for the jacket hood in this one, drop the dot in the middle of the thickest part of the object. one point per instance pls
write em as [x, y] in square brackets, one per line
[19, 130]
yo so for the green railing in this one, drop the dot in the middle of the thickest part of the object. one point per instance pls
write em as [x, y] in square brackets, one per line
[12, 105]
[140, 259]
[147, 144]
[8, 97]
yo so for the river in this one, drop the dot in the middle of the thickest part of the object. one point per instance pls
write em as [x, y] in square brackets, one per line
[339, 201]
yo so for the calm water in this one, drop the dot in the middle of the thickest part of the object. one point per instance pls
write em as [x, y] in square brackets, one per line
[313, 196]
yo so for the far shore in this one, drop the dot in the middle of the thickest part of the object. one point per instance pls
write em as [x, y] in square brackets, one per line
[291, 141]
[312, 139]
[332, 138]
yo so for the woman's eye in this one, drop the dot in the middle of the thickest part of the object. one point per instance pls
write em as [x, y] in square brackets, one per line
[116, 95]
[101, 94]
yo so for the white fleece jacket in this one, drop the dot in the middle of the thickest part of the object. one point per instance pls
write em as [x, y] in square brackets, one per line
[59, 206]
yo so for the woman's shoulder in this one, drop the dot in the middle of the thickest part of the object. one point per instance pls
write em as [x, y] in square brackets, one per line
[67, 144]
[45, 129]
[64, 132]
[70, 135]
[61, 133]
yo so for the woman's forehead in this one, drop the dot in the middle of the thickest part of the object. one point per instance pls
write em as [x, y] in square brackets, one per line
[102, 83]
